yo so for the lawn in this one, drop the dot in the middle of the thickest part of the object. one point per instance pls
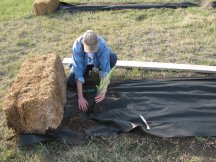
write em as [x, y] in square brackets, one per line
[163, 35]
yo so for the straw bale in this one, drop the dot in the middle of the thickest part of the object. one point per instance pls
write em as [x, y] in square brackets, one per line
[43, 7]
[36, 99]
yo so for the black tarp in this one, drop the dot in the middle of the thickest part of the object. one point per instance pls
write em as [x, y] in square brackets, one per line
[176, 107]
[171, 107]
[62, 135]
[70, 7]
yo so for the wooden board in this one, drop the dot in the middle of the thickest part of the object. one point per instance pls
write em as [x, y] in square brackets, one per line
[160, 66]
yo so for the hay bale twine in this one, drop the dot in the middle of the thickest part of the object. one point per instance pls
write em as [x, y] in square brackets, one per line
[35, 101]
[43, 7]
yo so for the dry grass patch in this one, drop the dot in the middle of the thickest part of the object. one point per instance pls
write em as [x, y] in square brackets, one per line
[208, 4]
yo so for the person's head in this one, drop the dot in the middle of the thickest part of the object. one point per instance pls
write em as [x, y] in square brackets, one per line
[90, 41]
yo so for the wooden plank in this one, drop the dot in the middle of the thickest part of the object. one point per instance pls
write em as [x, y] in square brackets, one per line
[160, 66]
[67, 61]
[168, 66]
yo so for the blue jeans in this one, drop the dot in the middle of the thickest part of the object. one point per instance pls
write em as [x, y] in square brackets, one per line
[71, 82]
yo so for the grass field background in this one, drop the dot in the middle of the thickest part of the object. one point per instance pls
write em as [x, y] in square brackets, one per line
[165, 35]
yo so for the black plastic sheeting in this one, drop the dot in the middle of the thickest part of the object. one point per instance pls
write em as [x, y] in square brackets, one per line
[69, 7]
[171, 107]
[62, 135]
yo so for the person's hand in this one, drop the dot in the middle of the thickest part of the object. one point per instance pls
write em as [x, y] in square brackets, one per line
[100, 97]
[83, 104]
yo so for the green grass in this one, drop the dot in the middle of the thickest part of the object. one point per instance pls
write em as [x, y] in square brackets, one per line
[166, 35]
[11, 9]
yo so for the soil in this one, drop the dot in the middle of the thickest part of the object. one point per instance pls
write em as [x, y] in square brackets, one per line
[74, 118]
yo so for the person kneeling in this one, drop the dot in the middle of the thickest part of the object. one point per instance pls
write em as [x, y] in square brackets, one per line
[90, 51]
